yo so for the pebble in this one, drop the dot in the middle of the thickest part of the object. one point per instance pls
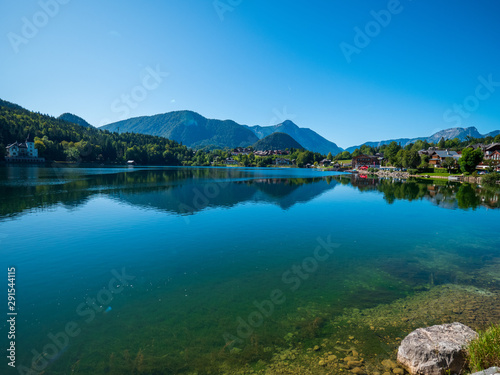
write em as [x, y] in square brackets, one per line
[358, 371]
[387, 363]
[352, 364]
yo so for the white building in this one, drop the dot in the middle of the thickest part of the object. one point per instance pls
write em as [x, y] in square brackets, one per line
[23, 152]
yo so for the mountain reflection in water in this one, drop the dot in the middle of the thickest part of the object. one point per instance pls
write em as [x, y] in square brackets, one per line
[185, 191]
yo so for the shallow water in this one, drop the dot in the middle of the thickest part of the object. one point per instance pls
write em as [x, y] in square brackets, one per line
[184, 270]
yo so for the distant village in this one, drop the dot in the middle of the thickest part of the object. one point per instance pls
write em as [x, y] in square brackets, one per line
[437, 158]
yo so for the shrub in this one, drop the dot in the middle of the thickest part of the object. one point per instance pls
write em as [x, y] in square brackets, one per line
[412, 171]
[484, 352]
[490, 179]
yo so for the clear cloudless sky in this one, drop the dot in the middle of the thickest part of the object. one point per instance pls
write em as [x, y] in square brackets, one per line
[259, 62]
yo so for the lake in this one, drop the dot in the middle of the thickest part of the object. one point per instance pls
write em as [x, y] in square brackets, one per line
[163, 270]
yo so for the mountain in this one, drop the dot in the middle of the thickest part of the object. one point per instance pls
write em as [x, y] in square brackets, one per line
[69, 117]
[460, 133]
[196, 131]
[308, 138]
[190, 128]
[276, 141]
[494, 133]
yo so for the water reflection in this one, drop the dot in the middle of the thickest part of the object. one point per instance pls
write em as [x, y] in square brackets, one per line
[185, 191]
[450, 195]
[179, 191]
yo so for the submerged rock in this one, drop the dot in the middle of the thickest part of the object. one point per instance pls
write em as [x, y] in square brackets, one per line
[435, 350]
[490, 371]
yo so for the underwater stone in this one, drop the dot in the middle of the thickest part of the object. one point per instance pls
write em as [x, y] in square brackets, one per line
[490, 371]
[434, 350]
[358, 371]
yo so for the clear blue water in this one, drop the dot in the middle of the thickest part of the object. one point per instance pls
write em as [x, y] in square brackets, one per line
[204, 248]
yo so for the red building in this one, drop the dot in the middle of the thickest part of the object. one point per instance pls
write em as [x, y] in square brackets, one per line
[365, 160]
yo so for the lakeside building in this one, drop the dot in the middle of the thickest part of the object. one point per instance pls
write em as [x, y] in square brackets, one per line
[241, 151]
[366, 161]
[325, 162]
[492, 151]
[438, 156]
[283, 161]
[25, 152]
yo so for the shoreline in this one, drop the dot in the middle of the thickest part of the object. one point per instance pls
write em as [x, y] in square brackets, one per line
[407, 175]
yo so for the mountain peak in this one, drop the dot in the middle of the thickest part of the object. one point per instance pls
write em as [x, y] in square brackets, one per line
[289, 123]
[69, 117]
[450, 133]
[277, 141]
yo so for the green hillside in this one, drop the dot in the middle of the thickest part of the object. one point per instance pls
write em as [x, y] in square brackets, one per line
[277, 141]
[189, 128]
[60, 140]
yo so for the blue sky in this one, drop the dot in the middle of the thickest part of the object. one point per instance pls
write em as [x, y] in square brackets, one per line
[353, 71]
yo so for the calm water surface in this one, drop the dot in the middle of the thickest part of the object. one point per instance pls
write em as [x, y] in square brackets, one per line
[184, 270]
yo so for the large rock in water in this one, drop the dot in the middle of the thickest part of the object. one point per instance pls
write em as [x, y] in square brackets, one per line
[434, 350]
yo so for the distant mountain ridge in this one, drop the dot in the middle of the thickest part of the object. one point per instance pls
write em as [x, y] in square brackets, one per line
[460, 133]
[196, 131]
[190, 128]
[69, 117]
[276, 141]
[308, 138]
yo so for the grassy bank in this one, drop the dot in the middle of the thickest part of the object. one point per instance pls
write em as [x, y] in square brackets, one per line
[484, 352]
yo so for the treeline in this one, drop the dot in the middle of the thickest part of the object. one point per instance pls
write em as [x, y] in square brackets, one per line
[302, 157]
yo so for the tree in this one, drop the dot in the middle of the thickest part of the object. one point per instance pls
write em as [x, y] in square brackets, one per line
[397, 160]
[40, 146]
[305, 157]
[449, 164]
[329, 156]
[442, 143]
[391, 151]
[424, 161]
[366, 150]
[72, 153]
[470, 159]
[410, 159]
[345, 155]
